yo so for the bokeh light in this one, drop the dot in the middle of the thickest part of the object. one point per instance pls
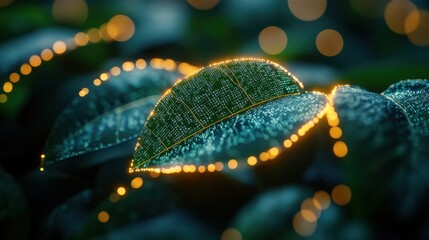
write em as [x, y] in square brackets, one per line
[231, 234]
[417, 27]
[203, 4]
[103, 216]
[272, 40]
[395, 14]
[7, 87]
[340, 149]
[3, 98]
[81, 39]
[329, 42]
[14, 77]
[94, 35]
[341, 194]
[137, 182]
[70, 11]
[302, 226]
[307, 10]
[120, 28]
[47, 54]
[121, 191]
[323, 198]
[25, 69]
[35, 61]
[59, 47]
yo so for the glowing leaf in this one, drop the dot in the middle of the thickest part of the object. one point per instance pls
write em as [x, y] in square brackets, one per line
[227, 110]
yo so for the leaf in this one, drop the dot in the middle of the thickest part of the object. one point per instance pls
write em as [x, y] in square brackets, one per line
[173, 225]
[14, 214]
[110, 114]
[386, 135]
[269, 215]
[227, 110]
[67, 218]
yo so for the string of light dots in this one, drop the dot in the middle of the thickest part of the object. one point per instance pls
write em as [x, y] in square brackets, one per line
[305, 220]
[140, 64]
[119, 28]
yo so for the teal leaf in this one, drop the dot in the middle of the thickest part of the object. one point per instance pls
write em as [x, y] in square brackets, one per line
[14, 212]
[232, 109]
[110, 114]
[387, 137]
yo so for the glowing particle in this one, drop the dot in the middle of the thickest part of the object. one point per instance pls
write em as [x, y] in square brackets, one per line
[128, 66]
[272, 40]
[7, 87]
[47, 54]
[341, 194]
[302, 226]
[140, 64]
[396, 13]
[323, 198]
[169, 65]
[14, 77]
[103, 216]
[59, 47]
[340, 149]
[252, 160]
[294, 138]
[417, 27]
[264, 156]
[273, 152]
[335, 132]
[115, 71]
[25, 69]
[3, 98]
[307, 10]
[137, 182]
[231, 234]
[219, 166]
[97, 82]
[308, 215]
[81, 39]
[329, 42]
[120, 28]
[211, 167]
[35, 61]
[201, 169]
[83, 92]
[232, 164]
[121, 191]
[41, 169]
[104, 76]
[94, 35]
[287, 143]
[203, 4]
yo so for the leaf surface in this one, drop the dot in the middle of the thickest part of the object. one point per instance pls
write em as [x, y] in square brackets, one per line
[110, 114]
[227, 110]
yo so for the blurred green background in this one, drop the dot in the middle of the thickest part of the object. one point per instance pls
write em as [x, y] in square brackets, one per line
[367, 43]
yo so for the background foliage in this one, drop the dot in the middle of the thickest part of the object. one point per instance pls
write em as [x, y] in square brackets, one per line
[65, 204]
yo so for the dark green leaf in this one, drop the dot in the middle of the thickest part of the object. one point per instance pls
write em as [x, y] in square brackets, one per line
[14, 217]
[387, 138]
[228, 110]
[110, 114]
